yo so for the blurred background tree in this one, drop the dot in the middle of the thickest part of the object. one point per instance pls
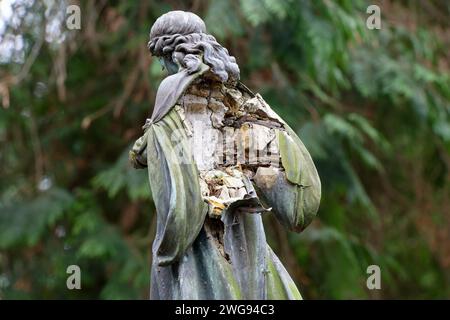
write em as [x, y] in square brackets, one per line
[372, 106]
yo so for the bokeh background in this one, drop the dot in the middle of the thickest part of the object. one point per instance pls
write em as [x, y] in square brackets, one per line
[372, 106]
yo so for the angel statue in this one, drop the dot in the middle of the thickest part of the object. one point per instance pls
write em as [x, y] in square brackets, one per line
[218, 158]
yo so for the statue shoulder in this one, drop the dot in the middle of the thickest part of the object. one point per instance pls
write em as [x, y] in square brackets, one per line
[250, 103]
[171, 88]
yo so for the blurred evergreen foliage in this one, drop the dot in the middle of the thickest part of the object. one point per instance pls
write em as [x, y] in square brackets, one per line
[372, 106]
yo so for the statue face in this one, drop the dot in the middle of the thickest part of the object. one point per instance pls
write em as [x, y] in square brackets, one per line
[168, 64]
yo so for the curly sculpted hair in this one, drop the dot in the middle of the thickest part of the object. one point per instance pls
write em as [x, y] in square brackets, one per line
[181, 36]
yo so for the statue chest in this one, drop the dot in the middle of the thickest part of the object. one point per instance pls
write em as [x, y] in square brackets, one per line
[225, 128]
[228, 142]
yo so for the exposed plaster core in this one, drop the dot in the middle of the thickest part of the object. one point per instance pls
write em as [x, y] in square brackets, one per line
[230, 141]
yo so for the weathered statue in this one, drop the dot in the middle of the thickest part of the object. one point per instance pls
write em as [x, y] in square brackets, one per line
[218, 157]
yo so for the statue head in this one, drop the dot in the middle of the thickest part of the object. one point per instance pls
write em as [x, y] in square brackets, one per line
[179, 39]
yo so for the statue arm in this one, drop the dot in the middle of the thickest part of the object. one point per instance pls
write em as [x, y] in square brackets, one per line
[174, 182]
[294, 190]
